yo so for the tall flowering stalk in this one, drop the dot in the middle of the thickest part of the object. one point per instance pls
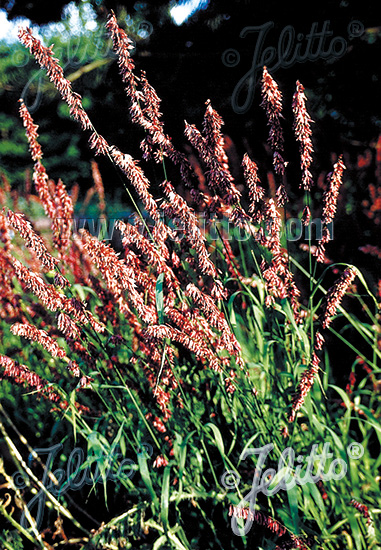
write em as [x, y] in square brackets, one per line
[256, 191]
[40, 176]
[209, 147]
[335, 295]
[303, 133]
[145, 105]
[122, 46]
[45, 58]
[32, 240]
[214, 141]
[277, 276]
[58, 206]
[272, 104]
[330, 205]
[332, 301]
[41, 336]
[21, 374]
[62, 222]
[52, 298]
[304, 387]
[117, 275]
[31, 132]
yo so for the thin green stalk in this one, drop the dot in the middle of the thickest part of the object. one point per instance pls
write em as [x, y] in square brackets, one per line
[38, 540]
[19, 460]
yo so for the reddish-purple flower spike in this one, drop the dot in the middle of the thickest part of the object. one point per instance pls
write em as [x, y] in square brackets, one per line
[335, 295]
[219, 178]
[31, 132]
[122, 46]
[330, 205]
[212, 131]
[125, 162]
[272, 104]
[145, 102]
[305, 385]
[303, 132]
[44, 57]
[306, 217]
[32, 240]
[256, 191]
[40, 177]
[33, 333]
[20, 374]
[331, 194]
[151, 104]
[62, 223]
[319, 341]
[363, 509]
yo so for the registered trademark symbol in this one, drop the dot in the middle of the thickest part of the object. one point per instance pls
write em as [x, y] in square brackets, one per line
[355, 29]
[355, 451]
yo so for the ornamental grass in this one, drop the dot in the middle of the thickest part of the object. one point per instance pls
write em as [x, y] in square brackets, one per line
[199, 333]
